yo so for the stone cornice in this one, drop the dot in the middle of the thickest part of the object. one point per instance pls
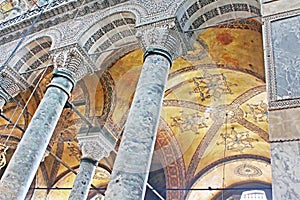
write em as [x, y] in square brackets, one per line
[14, 28]
[11, 82]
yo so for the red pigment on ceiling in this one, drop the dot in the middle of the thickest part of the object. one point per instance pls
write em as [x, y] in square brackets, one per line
[224, 38]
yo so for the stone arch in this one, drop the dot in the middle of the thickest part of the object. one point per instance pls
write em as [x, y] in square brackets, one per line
[194, 16]
[103, 40]
[54, 34]
[34, 54]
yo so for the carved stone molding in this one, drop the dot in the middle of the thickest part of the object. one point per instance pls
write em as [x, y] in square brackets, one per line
[71, 61]
[11, 82]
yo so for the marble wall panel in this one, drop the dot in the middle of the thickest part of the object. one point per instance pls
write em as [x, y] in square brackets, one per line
[285, 158]
[284, 124]
[286, 49]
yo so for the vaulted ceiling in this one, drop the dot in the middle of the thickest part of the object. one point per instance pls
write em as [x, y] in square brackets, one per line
[213, 130]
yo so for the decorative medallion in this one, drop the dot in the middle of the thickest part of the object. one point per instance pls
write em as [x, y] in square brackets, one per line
[101, 174]
[214, 86]
[247, 170]
[189, 122]
[237, 141]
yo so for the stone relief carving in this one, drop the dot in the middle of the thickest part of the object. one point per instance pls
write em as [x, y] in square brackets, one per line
[71, 61]
[162, 38]
[94, 147]
[11, 82]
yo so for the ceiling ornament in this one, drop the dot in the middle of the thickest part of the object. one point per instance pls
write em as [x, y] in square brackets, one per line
[101, 174]
[189, 122]
[237, 141]
[74, 150]
[259, 112]
[247, 170]
[3, 149]
[214, 86]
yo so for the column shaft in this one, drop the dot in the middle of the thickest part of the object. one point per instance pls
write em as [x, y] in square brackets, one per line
[132, 165]
[22, 168]
[80, 189]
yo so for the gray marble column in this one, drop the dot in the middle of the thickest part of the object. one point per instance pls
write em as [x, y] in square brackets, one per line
[94, 147]
[22, 167]
[131, 168]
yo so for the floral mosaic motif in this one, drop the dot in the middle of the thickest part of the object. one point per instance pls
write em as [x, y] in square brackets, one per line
[189, 122]
[259, 112]
[212, 86]
[237, 141]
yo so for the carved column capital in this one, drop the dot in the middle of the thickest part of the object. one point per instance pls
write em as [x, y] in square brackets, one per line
[71, 62]
[162, 36]
[94, 147]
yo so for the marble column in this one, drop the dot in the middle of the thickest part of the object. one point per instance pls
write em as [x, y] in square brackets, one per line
[22, 167]
[94, 147]
[131, 168]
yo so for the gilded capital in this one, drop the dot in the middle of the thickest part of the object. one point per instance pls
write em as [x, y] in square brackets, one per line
[71, 62]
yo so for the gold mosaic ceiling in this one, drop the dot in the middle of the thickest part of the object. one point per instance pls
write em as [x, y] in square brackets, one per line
[213, 129]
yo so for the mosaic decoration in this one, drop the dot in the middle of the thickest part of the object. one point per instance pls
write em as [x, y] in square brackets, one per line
[237, 141]
[247, 170]
[259, 112]
[212, 86]
[101, 174]
[286, 47]
[74, 151]
[189, 122]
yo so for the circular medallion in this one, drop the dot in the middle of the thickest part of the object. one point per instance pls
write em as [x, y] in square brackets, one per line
[247, 170]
